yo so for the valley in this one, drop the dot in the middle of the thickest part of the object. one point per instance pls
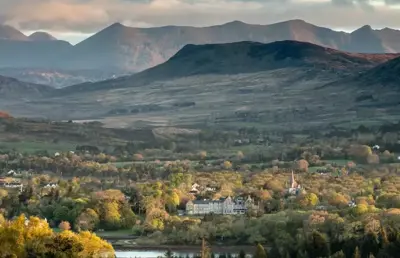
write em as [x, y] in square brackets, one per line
[279, 85]
[205, 142]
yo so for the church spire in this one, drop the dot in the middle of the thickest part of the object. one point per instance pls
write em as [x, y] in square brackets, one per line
[293, 181]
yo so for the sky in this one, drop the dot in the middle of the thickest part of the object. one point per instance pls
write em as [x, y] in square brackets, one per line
[74, 20]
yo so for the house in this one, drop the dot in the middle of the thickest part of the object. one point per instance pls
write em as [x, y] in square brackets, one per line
[11, 173]
[195, 189]
[226, 206]
[12, 185]
[51, 185]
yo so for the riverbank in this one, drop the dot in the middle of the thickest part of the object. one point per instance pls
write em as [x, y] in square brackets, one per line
[181, 251]
[186, 248]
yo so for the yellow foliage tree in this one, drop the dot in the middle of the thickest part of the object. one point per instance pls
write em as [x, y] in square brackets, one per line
[93, 245]
[227, 164]
[20, 236]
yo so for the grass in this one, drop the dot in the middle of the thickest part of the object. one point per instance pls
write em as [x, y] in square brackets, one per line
[340, 162]
[115, 233]
[34, 146]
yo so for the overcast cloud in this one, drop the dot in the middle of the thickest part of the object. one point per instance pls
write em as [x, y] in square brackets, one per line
[88, 16]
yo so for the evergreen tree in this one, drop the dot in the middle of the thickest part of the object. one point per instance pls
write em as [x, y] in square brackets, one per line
[169, 254]
[242, 254]
[260, 252]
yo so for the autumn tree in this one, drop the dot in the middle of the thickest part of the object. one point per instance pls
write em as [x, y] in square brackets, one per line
[373, 159]
[138, 157]
[308, 200]
[302, 165]
[64, 225]
[260, 252]
[227, 164]
[87, 220]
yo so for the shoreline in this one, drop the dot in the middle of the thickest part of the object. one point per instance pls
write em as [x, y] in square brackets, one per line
[184, 248]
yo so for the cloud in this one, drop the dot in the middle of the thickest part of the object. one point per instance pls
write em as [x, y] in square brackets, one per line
[88, 16]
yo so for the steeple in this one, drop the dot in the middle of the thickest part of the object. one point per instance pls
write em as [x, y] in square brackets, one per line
[293, 181]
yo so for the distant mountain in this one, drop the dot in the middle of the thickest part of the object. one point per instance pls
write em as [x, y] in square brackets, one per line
[136, 49]
[245, 57]
[32, 54]
[121, 49]
[11, 88]
[38, 50]
[285, 84]
[10, 33]
[250, 57]
[57, 78]
[41, 36]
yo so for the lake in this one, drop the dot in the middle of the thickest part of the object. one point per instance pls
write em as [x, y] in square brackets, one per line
[158, 253]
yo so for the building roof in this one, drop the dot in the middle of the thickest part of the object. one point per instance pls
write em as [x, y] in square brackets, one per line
[201, 201]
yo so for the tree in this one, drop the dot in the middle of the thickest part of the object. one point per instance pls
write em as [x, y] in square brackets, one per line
[227, 164]
[260, 252]
[360, 151]
[302, 165]
[87, 220]
[357, 253]
[317, 245]
[308, 200]
[203, 154]
[373, 159]
[239, 155]
[169, 254]
[138, 157]
[242, 254]
[205, 250]
[34, 238]
[64, 225]
[94, 245]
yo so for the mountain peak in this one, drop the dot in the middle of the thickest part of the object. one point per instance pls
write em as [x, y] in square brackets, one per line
[10, 33]
[365, 28]
[41, 36]
[296, 21]
[116, 25]
[235, 23]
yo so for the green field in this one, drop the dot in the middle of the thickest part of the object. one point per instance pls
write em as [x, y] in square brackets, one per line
[34, 146]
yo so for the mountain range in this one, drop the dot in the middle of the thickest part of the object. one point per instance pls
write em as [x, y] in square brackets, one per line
[121, 49]
[276, 85]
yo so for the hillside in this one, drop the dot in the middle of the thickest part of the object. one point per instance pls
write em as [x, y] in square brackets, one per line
[249, 57]
[386, 74]
[57, 78]
[280, 86]
[244, 57]
[11, 88]
[376, 88]
[38, 134]
[136, 49]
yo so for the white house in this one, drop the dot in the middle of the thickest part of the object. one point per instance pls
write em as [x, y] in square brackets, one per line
[227, 205]
[51, 185]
